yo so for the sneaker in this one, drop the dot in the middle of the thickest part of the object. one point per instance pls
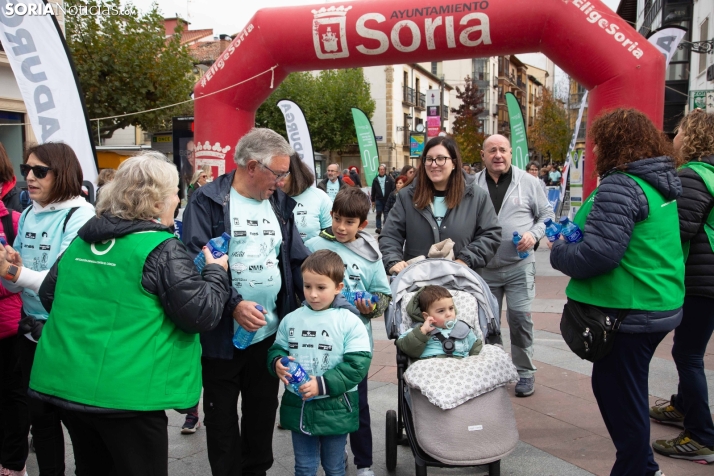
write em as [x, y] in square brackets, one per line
[365, 472]
[191, 425]
[684, 447]
[378, 231]
[525, 387]
[659, 473]
[664, 412]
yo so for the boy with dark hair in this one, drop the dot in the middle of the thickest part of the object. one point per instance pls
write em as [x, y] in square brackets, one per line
[332, 345]
[363, 272]
[441, 334]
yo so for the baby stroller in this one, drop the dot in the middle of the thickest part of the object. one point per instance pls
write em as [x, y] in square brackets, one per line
[479, 427]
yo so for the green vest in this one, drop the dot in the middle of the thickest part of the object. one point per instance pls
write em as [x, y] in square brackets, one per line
[651, 273]
[108, 342]
[706, 172]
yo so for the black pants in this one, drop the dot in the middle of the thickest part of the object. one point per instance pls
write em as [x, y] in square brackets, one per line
[45, 419]
[690, 343]
[15, 420]
[135, 444]
[248, 449]
[361, 440]
[619, 382]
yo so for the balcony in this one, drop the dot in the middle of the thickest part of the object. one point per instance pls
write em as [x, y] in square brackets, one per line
[481, 84]
[520, 83]
[422, 102]
[650, 16]
[408, 96]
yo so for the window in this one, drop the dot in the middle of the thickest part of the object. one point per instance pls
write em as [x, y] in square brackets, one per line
[406, 78]
[434, 67]
[13, 138]
[703, 36]
[416, 85]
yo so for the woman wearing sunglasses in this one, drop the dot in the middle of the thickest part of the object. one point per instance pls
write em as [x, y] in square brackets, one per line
[54, 182]
[441, 202]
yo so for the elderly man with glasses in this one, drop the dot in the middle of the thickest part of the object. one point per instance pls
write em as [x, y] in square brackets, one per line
[265, 254]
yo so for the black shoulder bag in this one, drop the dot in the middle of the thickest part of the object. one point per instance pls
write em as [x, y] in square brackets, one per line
[588, 331]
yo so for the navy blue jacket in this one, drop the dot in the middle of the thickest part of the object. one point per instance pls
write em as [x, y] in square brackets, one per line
[207, 215]
[619, 204]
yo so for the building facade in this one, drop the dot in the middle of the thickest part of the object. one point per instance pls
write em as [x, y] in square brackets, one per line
[512, 78]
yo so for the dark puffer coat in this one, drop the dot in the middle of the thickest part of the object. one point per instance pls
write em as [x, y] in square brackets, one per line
[193, 303]
[694, 207]
[620, 204]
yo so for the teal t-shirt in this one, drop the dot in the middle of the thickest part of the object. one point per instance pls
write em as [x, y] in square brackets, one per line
[434, 347]
[312, 212]
[318, 340]
[253, 257]
[40, 241]
[382, 181]
[360, 274]
[333, 188]
[439, 209]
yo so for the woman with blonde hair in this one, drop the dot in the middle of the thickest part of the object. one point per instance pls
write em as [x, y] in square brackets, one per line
[126, 305]
[689, 407]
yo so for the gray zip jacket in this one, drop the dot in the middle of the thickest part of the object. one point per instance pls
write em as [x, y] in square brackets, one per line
[472, 224]
[525, 208]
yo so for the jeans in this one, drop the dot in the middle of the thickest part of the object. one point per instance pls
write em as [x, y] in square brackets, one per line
[135, 443]
[620, 386]
[690, 343]
[310, 451]
[247, 449]
[361, 440]
[13, 400]
[379, 206]
[518, 284]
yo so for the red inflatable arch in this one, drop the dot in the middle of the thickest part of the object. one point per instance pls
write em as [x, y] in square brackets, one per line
[584, 37]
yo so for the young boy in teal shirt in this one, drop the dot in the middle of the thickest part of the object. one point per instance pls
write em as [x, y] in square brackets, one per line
[330, 342]
[363, 272]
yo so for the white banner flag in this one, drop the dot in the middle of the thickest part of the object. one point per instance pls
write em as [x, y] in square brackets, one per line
[667, 40]
[298, 133]
[39, 57]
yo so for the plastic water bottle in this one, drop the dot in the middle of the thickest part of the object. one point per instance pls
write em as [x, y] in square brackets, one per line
[552, 230]
[3, 241]
[216, 246]
[516, 239]
[296, 375]
[242, 338]
[571, 232]
[353, 296]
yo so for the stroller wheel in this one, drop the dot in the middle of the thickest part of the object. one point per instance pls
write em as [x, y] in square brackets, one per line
[494, 469]
[419, 470]
[391, 440]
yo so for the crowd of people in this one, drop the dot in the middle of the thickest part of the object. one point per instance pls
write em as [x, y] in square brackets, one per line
[106, 322]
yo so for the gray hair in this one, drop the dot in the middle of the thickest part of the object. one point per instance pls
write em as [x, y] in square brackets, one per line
[262, 145]
[345, 171]
[140, 183]
[155, 154]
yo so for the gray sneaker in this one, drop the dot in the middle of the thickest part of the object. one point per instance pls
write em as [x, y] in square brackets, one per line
[525, 387]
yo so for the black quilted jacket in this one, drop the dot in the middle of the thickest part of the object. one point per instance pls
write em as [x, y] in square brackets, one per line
[619, 204]
[694, 207]
[193, 303]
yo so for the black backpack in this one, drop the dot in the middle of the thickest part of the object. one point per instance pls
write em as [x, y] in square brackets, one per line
[8, 228]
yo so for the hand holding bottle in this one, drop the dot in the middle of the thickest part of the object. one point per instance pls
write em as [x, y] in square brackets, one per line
[222, 261]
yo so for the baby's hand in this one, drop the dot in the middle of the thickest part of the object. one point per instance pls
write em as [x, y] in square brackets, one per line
[428, 325]
[282, 371]
[310, 389]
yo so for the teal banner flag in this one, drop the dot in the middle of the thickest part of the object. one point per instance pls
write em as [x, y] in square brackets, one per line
[519, 140]
[367, 145]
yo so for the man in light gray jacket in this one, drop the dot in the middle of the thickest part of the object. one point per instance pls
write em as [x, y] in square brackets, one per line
[521, 207]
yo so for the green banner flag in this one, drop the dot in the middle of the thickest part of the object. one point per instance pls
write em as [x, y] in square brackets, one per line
[519, 141]
[367, 145]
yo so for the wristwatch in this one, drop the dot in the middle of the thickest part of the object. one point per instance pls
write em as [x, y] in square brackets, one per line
[11, 273]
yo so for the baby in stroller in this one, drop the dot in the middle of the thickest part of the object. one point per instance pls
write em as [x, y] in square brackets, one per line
[441, 334]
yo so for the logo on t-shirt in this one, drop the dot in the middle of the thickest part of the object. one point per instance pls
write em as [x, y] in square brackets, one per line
[270, 264]
[308, 346]
[44, 235]
[309, 334]
[45, 247]
[291, 332]
[268, 233]
[292, 345]
[253, 283]
[252, 222]
[238, 267]
[30, 236]
[301, 213]
[300, 205]
[324, 347]
[265, 220]
[239, 233]
[325, 334]
[354, 278]
[255, 268]
[236, 222]
[355, 267]
[237, 254]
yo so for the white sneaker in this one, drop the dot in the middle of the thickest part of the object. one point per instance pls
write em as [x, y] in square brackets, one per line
[365, 472]
[659, 473]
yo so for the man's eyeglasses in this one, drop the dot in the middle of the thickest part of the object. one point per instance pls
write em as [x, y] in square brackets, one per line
[40, 171]
[438, 160]
[278, 176]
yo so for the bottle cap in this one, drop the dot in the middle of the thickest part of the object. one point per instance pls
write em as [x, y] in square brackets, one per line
[285, 361]
[226, 236]
[563, 219]
[515, 233]
[259, 307]
[547, 222]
